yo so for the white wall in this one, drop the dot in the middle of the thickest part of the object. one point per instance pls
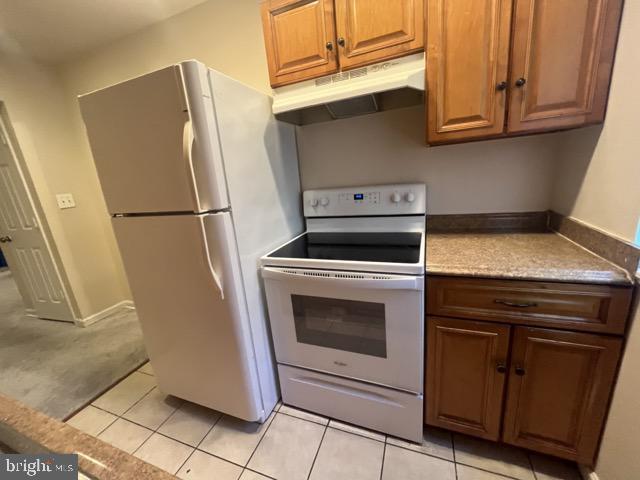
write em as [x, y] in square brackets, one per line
[224, 35]
[598, 182]
[39, 113]
[598, 176]
[513, 175]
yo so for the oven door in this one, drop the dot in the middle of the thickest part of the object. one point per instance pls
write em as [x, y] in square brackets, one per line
[359, 325]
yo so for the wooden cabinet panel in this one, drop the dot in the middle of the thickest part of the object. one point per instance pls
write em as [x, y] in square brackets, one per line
[593, 308]
[564, 50]
[559, 389]
[467, 57]
[374, 31]
[465, 375]
[296, 34]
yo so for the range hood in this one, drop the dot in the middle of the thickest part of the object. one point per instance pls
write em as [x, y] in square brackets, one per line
[392, 84]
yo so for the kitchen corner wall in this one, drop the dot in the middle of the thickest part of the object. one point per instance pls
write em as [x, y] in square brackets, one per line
[598, 182]
[507, 175]
[39, 114]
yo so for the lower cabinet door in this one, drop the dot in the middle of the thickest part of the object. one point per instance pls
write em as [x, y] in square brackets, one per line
[465, 375]
[559, 389]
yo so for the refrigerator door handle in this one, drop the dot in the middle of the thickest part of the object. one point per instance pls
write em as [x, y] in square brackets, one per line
[207, 258]
[188, 141]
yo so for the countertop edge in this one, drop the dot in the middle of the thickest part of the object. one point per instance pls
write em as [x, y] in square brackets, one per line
[492, 274]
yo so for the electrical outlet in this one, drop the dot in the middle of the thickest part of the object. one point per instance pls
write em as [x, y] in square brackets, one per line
[65, 200]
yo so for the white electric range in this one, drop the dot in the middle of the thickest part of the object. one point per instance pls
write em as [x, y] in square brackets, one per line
[346, 306]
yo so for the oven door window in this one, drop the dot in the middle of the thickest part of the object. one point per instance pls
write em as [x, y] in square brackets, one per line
[348, 325]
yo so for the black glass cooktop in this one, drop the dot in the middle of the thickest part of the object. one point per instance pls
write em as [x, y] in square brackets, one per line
[387, 247]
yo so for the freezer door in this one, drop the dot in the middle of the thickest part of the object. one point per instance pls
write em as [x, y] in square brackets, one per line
[155, 143]
[185, 279]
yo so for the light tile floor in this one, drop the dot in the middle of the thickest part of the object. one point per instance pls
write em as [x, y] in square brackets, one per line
[196, 443]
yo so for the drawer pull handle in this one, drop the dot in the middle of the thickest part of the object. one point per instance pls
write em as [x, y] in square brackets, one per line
[515, 304]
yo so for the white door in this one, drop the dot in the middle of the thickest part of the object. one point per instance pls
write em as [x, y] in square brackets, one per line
[367, 326]
[154, 142]
[24, 244]
[185, 279]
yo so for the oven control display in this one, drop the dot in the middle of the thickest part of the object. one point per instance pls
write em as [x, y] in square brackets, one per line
[370, 198]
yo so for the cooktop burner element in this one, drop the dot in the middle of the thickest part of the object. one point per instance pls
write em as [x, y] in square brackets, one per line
[388, 247]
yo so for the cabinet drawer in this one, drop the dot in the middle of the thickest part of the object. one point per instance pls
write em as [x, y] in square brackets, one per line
[593, 308]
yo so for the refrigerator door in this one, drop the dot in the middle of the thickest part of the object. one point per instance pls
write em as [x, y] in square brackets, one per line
[186, 285]
[155, 143]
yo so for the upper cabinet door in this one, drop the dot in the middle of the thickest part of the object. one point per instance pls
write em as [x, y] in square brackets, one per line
[370, 31]
[467, 57]
[299, 38]
[562, 58]
[559, 389]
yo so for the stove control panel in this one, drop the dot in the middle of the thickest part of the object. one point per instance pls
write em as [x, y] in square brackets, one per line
[377, 200]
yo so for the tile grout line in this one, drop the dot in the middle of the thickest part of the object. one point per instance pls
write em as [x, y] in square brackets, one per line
[275, 414]
[112, 422]
[384, 454]
[357, 434]
[453, 450]
[315, 457]
[475, 467]
[328, 424]
[305, 419]
[259, 473]
[533, 470]
[195, 449]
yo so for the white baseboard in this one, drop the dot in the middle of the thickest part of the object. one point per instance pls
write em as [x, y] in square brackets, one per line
[107, 312]
[587, 473]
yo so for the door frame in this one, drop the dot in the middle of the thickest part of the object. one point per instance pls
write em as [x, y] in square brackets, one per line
[6, 129]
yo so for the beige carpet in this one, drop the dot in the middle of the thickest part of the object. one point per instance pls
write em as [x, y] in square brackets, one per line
[57, 367]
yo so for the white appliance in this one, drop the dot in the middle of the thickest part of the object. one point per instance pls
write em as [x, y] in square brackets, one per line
[346, 306]
[387, 85]
[200, 180]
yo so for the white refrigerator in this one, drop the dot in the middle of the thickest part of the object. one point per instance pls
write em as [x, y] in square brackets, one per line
[200, 181]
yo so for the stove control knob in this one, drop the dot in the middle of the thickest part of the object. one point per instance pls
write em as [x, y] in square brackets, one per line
[395, 198]
[324, 201]
[313, 202]
[410, 197]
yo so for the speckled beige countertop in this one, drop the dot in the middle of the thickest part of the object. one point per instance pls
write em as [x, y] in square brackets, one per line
[524, 256]
[25, 430]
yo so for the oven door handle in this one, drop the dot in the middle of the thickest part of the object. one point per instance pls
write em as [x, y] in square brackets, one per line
[395, 282]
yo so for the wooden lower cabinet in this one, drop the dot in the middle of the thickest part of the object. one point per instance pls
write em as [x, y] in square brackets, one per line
[465, 375]
[559, 388]
[558, 384]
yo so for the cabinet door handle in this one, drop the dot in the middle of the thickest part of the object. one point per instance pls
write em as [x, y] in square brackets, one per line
[330, 46]
[501, 368]
[519, 371]
[6, 239]
[516, 304]
[341, 42]
[521, 81]
[501, 86]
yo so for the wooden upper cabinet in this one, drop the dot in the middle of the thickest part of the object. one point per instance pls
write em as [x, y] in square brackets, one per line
[465, 375]
[371, 31]
[559, 389]
[563, 50]
[467, 61]
[299, 38]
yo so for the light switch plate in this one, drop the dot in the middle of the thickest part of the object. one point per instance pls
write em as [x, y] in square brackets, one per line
[65, 200]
